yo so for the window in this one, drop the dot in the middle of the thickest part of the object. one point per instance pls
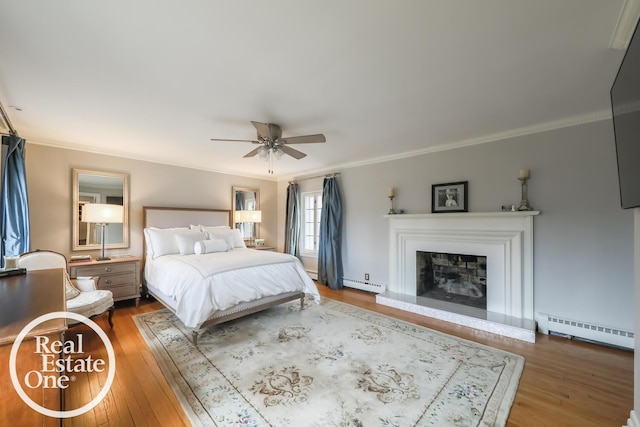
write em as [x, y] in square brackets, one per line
[312, 207]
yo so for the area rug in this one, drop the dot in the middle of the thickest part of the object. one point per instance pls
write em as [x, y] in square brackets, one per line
[331, 364]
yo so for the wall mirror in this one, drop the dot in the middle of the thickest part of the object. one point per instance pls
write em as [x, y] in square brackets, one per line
[246, 199]
[103, 188]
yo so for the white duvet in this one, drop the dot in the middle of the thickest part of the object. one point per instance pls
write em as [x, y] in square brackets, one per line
[204, 284]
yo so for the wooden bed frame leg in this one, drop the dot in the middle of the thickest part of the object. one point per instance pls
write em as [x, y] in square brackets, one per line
[194, 337]
[302, 302]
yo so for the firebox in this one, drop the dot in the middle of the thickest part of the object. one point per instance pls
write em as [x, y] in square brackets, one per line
[455, 278]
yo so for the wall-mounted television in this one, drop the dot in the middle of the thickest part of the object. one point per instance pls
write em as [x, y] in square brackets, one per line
[625, 105]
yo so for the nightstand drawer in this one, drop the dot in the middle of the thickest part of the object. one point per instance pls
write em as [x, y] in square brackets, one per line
[98, 270]
[124, 292]
[107, 282]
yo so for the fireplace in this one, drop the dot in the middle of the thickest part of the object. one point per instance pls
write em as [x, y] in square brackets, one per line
[501, 242]
[455, 278]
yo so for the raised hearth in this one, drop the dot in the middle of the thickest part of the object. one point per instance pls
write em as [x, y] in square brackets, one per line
[505, 238]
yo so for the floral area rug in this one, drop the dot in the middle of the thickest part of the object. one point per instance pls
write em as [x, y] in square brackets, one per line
[331, 364]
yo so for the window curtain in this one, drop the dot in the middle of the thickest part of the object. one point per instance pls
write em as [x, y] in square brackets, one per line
[292, 227]
[330, 248]
[14, 203]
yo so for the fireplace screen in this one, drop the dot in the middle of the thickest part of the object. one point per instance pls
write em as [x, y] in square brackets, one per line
[455, 278]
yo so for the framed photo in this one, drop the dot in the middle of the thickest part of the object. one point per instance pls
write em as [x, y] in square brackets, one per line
[450, 197]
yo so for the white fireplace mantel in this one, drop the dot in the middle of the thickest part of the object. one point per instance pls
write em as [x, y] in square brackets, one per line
[505, 238]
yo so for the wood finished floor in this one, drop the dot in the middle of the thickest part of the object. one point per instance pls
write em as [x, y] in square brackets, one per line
[564, 383]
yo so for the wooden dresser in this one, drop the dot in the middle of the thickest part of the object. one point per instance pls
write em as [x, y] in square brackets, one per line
[119, 275]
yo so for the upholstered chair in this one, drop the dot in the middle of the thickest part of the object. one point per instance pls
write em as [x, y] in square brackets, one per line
[82, 295]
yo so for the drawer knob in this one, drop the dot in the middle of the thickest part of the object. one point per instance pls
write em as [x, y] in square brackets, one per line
[108, 281]
[107, 269]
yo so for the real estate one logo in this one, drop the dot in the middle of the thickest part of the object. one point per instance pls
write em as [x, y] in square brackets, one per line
[60, 361]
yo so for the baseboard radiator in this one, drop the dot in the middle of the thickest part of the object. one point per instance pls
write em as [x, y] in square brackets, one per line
[574, 328]
[363, 286]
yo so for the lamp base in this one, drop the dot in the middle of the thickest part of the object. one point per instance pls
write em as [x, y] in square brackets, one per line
[103, 258]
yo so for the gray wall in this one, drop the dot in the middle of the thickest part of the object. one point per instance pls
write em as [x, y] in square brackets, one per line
[49, 181]
[583, 240]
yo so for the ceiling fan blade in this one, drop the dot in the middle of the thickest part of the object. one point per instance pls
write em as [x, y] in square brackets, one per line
[264, 130]
[290, 151]
[253, 152]
[236, 140]
[306, 139]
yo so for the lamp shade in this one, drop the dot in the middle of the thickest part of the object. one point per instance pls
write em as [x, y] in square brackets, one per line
[248, 216]
[102, 213]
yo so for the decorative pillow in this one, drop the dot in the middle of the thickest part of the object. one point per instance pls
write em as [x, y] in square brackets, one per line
[238, 241]
[70, 290]
[221, 233]
[210, 246]
[195, 227]
[186, 241]
[162, 241]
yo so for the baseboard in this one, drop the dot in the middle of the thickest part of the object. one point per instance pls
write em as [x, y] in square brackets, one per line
[633, 420]
[576, 328]
[313, 274]
[363, 286]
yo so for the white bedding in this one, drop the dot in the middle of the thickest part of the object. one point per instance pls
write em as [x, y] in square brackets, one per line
[203, 284]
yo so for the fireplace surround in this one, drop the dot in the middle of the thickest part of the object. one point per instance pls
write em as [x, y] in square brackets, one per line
[504, 238]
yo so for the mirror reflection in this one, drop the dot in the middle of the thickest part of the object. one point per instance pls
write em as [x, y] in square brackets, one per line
[246, 199]
[93, 187]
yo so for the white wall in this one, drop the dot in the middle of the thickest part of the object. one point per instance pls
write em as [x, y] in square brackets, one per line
[583, 239]
[49, 181]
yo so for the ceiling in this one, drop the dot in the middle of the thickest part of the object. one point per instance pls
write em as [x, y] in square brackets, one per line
[381, 79]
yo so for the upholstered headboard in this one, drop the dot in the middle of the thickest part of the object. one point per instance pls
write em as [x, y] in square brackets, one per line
[168, 217]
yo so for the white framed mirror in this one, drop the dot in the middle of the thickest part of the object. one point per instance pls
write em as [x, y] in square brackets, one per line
[246, 199]
[103, 188]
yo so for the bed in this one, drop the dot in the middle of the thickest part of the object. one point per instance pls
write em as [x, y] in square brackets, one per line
[214, 285]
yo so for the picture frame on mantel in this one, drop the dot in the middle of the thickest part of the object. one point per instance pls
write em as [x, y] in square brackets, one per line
[449, 197]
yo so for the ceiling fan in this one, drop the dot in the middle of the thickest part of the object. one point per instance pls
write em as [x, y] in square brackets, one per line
[272, 144]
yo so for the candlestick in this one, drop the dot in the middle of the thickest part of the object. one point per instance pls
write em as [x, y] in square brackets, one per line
[524, 203]
[391, 211]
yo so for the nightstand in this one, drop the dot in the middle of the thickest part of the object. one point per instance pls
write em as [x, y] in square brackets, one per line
[121, 276]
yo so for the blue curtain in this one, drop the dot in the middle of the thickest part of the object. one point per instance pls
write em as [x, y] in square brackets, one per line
[292, 227]
[330, 249]
[14, 203]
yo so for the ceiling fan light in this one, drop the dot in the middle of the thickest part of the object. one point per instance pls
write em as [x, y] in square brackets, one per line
[278, 153]
[263, 153]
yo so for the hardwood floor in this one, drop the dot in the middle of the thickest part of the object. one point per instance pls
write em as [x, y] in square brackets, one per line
[564, 383]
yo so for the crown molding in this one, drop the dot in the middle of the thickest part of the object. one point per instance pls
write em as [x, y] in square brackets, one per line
[513, 133]
[78, 147]
[626, 24]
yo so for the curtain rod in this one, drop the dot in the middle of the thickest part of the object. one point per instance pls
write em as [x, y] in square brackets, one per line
[5, 118]
[329, 175]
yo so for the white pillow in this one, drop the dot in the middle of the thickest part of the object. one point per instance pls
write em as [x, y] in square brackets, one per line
[207, 228]
[220, 233]
[162, 241]
[210, 246]
[186, 241]
[238, 241]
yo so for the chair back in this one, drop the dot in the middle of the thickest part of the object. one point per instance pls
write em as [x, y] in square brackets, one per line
[40, 260]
